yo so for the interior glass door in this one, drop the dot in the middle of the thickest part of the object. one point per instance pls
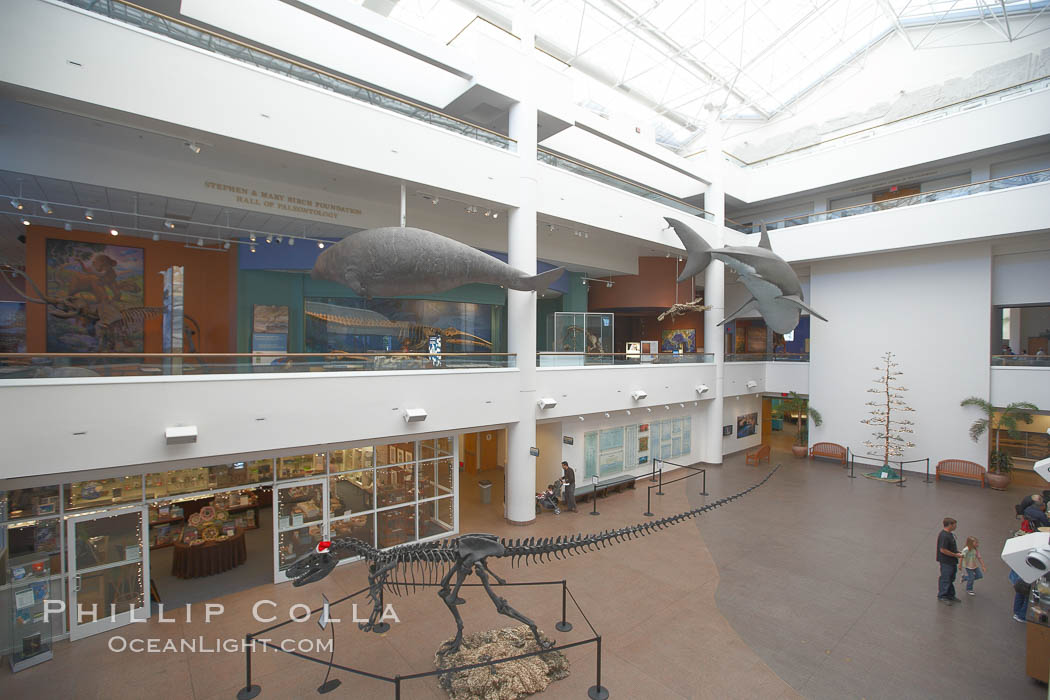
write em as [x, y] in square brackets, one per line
[108, 570]
[299, 522]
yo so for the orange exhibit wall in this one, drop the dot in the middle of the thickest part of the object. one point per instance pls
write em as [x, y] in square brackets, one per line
[652, 288]
[210, 286]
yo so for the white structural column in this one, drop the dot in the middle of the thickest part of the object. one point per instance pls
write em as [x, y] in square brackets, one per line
[714, 296]
[521, 306]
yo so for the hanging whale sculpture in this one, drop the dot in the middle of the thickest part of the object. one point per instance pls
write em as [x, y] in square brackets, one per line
[774, 286]
[395, 261]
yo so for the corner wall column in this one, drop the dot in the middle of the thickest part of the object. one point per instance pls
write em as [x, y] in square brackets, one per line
[521, 306]
[714, 296]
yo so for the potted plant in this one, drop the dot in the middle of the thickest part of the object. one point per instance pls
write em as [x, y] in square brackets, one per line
[798, 406]
[999, 462]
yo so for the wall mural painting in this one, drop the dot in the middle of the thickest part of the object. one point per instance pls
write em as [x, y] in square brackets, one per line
[104, 282]
[12, 326]
[682, 340]
[745, 425]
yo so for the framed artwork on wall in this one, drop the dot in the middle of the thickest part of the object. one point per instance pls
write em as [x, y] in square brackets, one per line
[727, 430]
[681, 339]
[745, 424]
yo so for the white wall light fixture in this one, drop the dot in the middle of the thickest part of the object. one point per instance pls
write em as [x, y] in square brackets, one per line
[415, 415]
[702, 388]
[638, 395]
[181, 434]
[547, 402]
[751, 384]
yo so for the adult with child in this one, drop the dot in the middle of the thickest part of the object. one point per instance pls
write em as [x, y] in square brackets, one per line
[948, 557]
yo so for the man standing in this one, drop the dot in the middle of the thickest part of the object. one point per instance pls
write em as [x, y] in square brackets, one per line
[948, 557]
[568, 477]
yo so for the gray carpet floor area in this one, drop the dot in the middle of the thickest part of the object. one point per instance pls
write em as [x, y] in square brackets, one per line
[257, 570]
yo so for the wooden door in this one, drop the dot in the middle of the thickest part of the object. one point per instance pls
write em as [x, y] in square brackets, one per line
[767, 420]
[489, 449]
[470, 452]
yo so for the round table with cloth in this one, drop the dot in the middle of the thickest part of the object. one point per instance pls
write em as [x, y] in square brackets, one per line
[191, 561]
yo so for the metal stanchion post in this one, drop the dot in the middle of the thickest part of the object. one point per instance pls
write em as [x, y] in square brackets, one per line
[249, 691]
[653, 476]
[703, 489]
[597, 691]
[564, 625]
[900, 465]
[660, 491]
[927, 470]
[648, 502]
[594, 496]
[852, 461]
[397, 687]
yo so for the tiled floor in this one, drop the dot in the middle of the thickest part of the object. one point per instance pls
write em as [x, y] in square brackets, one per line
[815, 585]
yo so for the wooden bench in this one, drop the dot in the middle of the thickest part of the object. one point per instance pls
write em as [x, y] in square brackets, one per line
[756, 454]
[829, 450]
[961, 468]
[617, 483]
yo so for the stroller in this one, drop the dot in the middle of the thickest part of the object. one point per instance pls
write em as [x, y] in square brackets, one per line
[548, 500]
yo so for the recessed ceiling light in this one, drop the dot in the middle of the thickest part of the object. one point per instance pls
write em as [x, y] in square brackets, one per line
[46, 208]
[114, 232]
[89, 214]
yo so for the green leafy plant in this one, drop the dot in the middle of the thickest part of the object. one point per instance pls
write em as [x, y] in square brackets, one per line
[798, 406]
[999, 462]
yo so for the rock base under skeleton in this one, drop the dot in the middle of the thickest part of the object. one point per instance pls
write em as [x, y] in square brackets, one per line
[505, 681]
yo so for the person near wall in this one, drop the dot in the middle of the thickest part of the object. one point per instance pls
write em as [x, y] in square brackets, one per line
[1036, 514]
[568, 477]
[948, 557]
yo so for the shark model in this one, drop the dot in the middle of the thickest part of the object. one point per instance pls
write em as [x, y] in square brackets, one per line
[773, 284]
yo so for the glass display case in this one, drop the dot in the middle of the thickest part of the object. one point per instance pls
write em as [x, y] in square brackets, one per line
[299, 514]
[580, 332]
[31, 628]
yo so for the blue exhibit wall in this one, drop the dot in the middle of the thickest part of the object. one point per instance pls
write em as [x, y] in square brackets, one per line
[278, 275]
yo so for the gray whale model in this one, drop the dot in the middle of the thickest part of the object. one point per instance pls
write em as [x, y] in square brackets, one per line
[394, 261]
[773, 284]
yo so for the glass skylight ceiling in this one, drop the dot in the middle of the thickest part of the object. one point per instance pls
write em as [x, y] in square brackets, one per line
[686, 60]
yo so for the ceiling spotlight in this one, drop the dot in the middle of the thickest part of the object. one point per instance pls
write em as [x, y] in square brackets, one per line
[114, 232]
[608, 285]
[434, 201]
[25, 221]
[169, 224]
[488, 212]
[89, 214]
[550, 227]
[648, 410]
[580, 417]
[226, 245]
[269, 238]
[495, 215]
[666, 407]
[17, 204]
[200, 242]
[628, 411]
[681, 405]
[291, 241]
[67, 226]
[251, 237]
[278, 240]
[320, 244]
[46, 208]
[252, 249]
[156, 236]
[193, 146]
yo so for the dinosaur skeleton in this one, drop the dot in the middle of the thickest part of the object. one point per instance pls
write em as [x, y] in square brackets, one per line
[110, 321]
[682, 309]
[417, 335]
[403, 568]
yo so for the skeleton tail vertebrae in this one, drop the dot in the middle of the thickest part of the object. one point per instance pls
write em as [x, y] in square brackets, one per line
[533, 549]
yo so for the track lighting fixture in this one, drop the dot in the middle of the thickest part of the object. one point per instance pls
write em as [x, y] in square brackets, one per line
[200, 242]
[550, 227]
[46, 208]
[114, 232]
[278, 240]
[291, 241]
[252, 249]
[169, 224]
[666, 407]
[251, 237]
[495, 215]
[17, 204]
[25, 221]
[89, 214]
[648, 410]
[606, 414]
[608, 285]
[320, 244]
[269, 238]
[580, 417]
[193, 146]
[628, 411]
[156, 236]
[67, 226]
[488, 212]
[434, 201]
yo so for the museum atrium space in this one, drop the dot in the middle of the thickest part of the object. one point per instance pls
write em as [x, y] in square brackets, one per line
[654, 342]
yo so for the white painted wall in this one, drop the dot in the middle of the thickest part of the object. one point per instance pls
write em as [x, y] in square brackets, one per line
[782, 377]
[930, 308]
[739, 406]
[738, 374]
[1022, 278]
[1011, 384]
[548, 464]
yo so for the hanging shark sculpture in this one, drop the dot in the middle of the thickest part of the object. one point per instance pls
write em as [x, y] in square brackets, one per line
[773, 284]
[395, 261]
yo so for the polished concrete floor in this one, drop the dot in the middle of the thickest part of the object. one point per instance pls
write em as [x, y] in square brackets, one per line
[816, 586]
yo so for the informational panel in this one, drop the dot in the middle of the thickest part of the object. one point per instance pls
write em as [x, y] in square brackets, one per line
[269, 331]
[171, 328]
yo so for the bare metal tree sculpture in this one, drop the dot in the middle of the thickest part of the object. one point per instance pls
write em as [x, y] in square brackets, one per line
[403, 568]
[888, 440]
